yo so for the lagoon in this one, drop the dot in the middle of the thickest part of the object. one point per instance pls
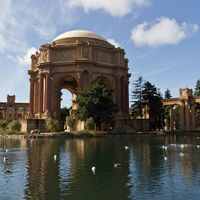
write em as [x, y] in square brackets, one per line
[153, 167]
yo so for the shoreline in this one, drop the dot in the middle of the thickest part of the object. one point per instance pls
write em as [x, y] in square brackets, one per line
[97, 135]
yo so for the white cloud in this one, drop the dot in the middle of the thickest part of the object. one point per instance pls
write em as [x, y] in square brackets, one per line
[113, 42]
[116, 8]
[26, 59]
[164, 31]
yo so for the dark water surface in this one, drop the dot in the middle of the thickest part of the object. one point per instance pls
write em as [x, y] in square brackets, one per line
[147, 170]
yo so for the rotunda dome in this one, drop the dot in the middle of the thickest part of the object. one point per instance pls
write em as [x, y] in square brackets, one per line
[79, 34]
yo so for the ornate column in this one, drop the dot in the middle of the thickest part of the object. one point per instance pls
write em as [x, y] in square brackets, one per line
[31, 96]
[181, 117]
[41, 94]
[48, 93]
[126, 98]
[171, 118]
[79, 80]
[13, 113]
[118, 93]
[193, 117]
[187, 116]
[123, 97]
[4, 113]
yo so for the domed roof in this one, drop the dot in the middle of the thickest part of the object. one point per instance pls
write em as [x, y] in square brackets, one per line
[79, 34]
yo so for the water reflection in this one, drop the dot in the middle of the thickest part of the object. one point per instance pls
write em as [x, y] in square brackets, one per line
[143, 171]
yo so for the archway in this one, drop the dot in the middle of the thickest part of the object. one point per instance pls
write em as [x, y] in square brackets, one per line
[65, 106]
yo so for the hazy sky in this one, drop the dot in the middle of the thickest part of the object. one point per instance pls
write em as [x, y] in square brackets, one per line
[161, 38]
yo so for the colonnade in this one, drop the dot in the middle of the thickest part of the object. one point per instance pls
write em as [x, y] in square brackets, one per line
[40, 95]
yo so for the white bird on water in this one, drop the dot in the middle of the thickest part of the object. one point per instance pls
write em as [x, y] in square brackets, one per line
[181, 154]
[93, 169]
[116, 164]
[6, 150]
[55, 157]
[165, 158]
[126, 147]
[5, 159]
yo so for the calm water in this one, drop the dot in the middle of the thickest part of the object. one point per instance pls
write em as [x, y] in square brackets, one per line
[144, 172]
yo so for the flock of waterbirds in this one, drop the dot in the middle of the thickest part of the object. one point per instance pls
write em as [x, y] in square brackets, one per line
[94, 168]
[182, 146]
[6, 159]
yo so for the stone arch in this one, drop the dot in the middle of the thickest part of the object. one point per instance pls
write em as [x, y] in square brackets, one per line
[63, 81]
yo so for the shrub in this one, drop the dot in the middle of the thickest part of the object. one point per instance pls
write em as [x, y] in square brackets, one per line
[14, 126]
[69, 121]
[89, 124]
[52, 125]
[3, 124]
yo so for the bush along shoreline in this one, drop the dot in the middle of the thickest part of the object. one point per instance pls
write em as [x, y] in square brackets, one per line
[89, 134]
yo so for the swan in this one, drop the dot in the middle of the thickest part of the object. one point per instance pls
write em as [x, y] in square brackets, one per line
[93, 169]
[5, 159]
[181, 154]
[116, 164]
[126, 147]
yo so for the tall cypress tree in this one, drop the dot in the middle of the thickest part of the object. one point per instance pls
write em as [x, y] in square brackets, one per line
[197, 93]
[197, 88]
[137, 99]
[167, 94]
[154, 102]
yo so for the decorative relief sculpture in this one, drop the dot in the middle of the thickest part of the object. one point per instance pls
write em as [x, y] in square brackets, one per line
[64, 55]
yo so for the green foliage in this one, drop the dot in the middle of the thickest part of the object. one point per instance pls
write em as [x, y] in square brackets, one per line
[63, 113]
[167, 94]
[69, 121]
[3, 124]
[14, 126]
[137, 99]
[52, 125]
[197, 109]
[197, 88]
[89, 124]
[95, 101]
[153, 100]
[176, 113]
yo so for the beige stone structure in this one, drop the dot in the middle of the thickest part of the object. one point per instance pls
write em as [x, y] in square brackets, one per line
[11, 110]
[186, 103]
[69, 62]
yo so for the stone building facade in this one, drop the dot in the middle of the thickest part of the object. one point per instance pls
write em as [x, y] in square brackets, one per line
[69, 62]
[11, 110]
[186, 107]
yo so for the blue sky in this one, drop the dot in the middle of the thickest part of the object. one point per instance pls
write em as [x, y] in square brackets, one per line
[160, 37]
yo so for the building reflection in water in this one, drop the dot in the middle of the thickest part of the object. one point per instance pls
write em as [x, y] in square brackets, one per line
[144, 173]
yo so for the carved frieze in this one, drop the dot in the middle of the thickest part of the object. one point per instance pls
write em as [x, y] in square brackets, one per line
[100, 55]
[64, 55]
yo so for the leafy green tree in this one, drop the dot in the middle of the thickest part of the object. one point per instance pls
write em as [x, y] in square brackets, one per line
[14, 126]
[52, 125]
[153, 100]
[197, 88]
[89, 124]
[3, 124]
[137, 99]
[167, 94]
[64, 112]
[197, 93]
[70, 121]
[95, 101]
